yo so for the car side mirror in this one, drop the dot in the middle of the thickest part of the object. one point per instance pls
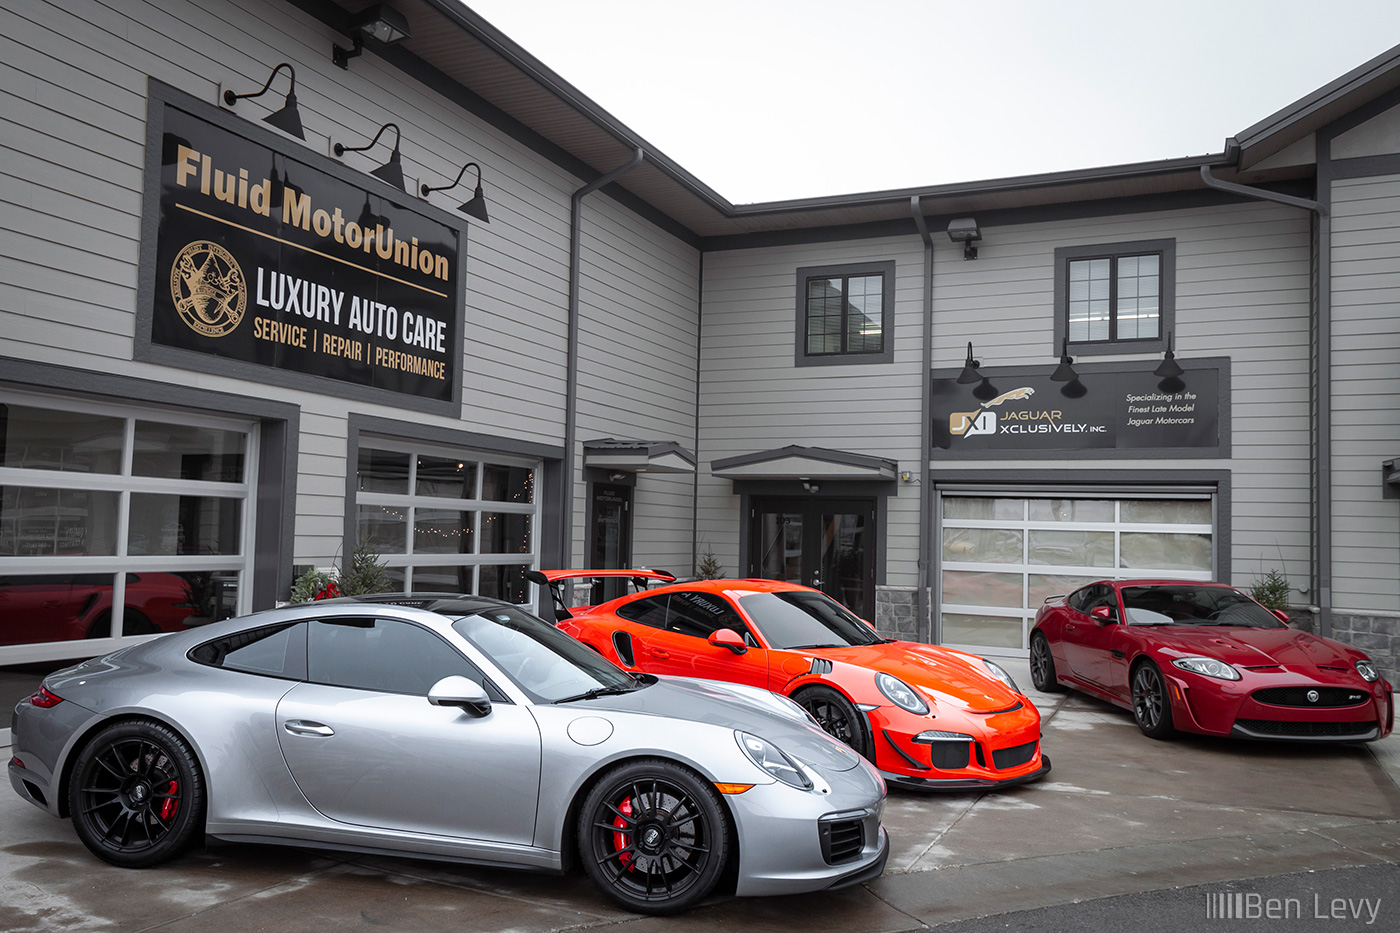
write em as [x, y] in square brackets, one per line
[1282, 616]
[728, 638]
[1103, 615]
[461, 692]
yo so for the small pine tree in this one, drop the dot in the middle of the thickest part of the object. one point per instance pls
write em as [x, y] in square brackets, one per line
[1271, 590]
[710, 568]
[366, 572]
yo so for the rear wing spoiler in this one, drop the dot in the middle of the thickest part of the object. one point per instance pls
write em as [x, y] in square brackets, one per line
[553, 581]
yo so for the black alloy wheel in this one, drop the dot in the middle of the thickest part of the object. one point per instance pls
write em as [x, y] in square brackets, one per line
[837, 716]
[137, 795]
[1151, 708]
[1043, 666]
[654, 836]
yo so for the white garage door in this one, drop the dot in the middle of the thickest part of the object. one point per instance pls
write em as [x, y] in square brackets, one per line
[1003, 553]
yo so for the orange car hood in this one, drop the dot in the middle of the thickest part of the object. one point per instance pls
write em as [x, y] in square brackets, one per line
[948, 677]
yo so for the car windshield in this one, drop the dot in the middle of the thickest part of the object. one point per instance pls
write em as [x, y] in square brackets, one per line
[800, 619]
[546, 663]
[1194, 605]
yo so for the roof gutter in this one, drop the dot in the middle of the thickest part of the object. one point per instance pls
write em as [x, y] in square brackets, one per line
[1260, 194]
[566, 524]
[923, 620]
[1321, 388]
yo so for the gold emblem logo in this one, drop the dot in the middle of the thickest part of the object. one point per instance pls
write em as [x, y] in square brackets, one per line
[208, 288]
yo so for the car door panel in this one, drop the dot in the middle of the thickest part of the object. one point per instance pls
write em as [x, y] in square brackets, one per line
[397, 762]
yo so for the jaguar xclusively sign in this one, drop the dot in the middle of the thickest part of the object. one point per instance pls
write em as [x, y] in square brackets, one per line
[447, 727]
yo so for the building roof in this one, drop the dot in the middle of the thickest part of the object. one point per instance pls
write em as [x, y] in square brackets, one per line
[465, 57]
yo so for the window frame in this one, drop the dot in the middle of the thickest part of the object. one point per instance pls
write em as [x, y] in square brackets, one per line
[883, 268]
[1064, 255]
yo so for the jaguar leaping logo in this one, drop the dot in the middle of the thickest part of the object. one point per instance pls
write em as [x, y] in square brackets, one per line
[982, 420]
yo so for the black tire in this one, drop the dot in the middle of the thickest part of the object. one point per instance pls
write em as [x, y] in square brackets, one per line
[838, 716]
[1043, 666]
[135, 623]
[1151, 708]
[653, 836]
[137, 795]
[101, 626]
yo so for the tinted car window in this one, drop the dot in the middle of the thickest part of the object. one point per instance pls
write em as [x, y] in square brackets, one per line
[275, 651]
[700, 614]
[544, 662]
[384, 655]
[1195, 605]
[799, 619]
[650, 610]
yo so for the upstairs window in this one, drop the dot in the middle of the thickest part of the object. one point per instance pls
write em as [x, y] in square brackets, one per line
[845, 314]
[1115, 297]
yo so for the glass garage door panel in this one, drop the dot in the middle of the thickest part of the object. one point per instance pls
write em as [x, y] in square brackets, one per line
[1002, 556]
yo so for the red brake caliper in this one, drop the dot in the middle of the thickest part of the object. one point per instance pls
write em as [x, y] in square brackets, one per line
[170, 804]
[620, 839]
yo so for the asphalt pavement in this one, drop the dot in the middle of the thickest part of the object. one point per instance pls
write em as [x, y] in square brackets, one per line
[1126, 834]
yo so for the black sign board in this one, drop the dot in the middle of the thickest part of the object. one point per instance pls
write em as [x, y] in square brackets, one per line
[1110, 410]
[269, 255]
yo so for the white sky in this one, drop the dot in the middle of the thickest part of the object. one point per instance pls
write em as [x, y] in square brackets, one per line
[774, 99]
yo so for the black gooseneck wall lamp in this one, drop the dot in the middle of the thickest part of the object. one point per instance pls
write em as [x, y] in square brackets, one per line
[1065, 371]
[1169, 368]
[288, 119]
[970, 374]
[476, 207]
[391, 171]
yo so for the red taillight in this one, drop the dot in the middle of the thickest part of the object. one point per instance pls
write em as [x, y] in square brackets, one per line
[44, 700]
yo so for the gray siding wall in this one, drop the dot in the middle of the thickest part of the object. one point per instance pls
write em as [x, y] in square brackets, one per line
[1365, 393]
[72, 121]
[1242, 291]
[753, 396]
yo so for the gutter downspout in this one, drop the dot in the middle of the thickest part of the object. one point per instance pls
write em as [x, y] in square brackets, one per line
[1322, 478]
[566, 524]
[923, 618]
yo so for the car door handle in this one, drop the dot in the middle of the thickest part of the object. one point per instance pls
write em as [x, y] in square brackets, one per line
[302, 727]
[660, 654]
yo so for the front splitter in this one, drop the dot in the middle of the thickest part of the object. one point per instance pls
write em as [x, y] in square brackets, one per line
[954, 784]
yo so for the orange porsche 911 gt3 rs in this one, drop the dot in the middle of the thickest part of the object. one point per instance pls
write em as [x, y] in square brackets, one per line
[929, 717]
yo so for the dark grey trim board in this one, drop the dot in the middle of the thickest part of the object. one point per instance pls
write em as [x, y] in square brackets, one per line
[159, 95]
[275, 496]
[1050, 213]
[1191, 364]
[1166, 298]
[550, 486]
[884, 269]
[1365, 167]
[1106, 480]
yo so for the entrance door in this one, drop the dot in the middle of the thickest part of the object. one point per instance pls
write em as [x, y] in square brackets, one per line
[610, 538]
[828, 544]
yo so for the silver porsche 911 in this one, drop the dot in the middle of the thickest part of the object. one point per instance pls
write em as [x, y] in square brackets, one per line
[458, 728]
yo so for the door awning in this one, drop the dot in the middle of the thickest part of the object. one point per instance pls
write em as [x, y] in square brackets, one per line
[795, 462]
[609, 453]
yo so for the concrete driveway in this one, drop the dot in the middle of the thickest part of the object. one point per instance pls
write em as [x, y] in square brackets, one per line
[1119, 814]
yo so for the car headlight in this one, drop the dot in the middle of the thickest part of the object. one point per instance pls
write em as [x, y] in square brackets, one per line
[900, 694]
[1207, 666]
[1367, 670]
[770, 758]
[1000, 674]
